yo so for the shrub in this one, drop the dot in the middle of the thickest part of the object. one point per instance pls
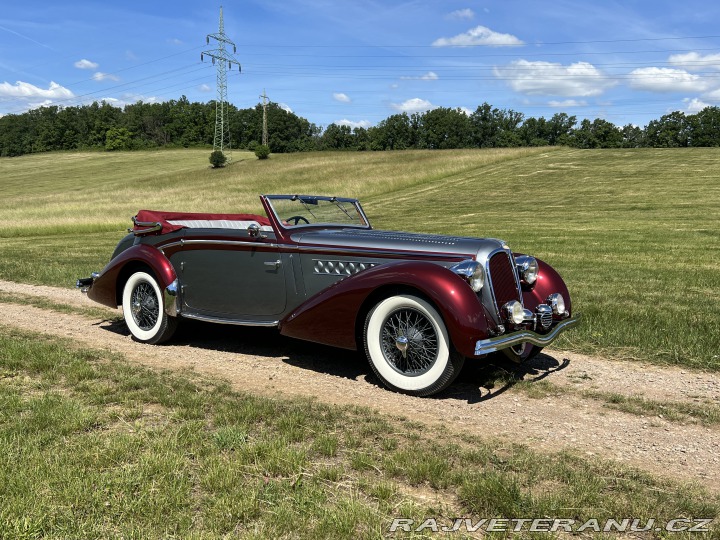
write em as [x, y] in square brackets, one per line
[262, 151]
[217, 159]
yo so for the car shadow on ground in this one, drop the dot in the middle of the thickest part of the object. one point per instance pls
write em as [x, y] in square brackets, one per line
[487, 378]
[266, 343]
[480, 379]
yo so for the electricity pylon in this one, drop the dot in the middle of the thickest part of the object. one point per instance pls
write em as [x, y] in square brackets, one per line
[265, 130]
[224, 61]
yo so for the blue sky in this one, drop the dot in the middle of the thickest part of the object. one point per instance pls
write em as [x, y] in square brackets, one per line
[357, 62]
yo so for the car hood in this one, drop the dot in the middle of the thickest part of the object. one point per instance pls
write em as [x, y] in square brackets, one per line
[399, 241]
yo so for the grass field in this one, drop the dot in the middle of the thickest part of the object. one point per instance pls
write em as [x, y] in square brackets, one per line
[92, 447]
[634, 232]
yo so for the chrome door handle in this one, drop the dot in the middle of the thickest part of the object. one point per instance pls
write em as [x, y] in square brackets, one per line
[275, 264]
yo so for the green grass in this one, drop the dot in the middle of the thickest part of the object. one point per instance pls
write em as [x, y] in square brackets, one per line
[92, 447]
[704, 412]
[633, 232]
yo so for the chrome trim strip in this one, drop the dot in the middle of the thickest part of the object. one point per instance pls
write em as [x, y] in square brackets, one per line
[380, 252]
[236, 322]
[230, 243]
[246, 243]
[317, 249]
[171, 293]
[490, 345]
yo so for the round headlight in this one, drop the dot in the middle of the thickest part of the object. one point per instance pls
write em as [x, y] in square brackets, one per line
[557, 303]
[472, 272]
[514, 312]
[477, 279]
[527, 268]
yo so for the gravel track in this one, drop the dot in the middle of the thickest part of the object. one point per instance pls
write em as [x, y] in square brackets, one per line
[262, 362]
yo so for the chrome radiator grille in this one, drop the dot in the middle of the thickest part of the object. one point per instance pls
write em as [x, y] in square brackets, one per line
[502, 277]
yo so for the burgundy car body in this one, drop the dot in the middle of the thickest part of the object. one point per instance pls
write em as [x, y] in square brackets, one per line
[320, 280]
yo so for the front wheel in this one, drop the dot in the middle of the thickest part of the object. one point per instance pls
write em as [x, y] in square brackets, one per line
[408, 347]
[144, 311]
[522, 353]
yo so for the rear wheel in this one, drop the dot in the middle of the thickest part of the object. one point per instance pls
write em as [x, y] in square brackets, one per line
[144, 310]
[408, 347]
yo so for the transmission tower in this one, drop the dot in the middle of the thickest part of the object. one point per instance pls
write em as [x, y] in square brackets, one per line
[224, 62]
[265, 132]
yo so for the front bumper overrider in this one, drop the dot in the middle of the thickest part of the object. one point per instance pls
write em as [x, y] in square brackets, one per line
[493, 344]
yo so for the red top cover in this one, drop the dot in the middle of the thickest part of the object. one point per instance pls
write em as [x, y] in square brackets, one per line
[158, 216]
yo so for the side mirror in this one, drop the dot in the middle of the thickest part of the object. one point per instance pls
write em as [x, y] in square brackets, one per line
[254, 231]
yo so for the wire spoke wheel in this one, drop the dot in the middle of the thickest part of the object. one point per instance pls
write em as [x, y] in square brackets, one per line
[421, 341]
[145, 306]
[144, 311]
[408, 347]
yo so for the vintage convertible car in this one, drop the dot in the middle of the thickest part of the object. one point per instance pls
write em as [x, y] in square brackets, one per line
[418, 304]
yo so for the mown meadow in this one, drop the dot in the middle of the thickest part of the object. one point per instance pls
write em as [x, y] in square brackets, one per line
[634, 231]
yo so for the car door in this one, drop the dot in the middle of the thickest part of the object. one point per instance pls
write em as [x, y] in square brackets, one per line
[231, 275]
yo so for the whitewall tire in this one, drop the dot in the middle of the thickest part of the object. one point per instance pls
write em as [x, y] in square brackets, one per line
[408, 348]
[144, 311]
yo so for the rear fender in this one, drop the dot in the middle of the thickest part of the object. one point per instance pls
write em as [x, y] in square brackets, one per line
[548, 282]
[331, 316]
[107, 288]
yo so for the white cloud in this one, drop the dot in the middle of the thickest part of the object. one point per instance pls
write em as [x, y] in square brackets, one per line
[551, 79]
[413, 105]
[342, 98]
[429, 76]
[361, 124]
[129, 99]
[204, 88]
[86, 64]
[29, 91]
[480, 35]
[466, 111]
[174, 41]
[100, 76]
[694, 61]
[568, 103]
[654, 79]
[713, 96]
[695, 105]
[285, 107]
[466, 13]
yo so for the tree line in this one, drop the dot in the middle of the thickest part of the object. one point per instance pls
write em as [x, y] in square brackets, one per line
[180, 123]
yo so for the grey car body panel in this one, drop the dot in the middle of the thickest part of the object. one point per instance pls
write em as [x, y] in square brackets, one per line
[225, 274]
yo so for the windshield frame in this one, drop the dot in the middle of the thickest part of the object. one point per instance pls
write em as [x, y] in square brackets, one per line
[314, 199]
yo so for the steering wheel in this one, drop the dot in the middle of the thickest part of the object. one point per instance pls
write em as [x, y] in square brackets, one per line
[296, 220]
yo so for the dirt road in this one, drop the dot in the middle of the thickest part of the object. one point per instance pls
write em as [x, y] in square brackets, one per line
[263, 362]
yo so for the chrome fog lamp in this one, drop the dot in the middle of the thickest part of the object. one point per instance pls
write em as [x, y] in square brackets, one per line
[557, 303]
[472, 272]
[527, 268]
[514, 312]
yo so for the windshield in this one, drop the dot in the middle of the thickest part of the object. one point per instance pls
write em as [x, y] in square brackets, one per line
[299, 210]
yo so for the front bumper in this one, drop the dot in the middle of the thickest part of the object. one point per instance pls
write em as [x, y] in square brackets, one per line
[490, 345]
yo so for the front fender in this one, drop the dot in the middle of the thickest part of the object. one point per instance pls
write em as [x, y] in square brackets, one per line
[105, 288]
[330, 317]
[548, 282]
